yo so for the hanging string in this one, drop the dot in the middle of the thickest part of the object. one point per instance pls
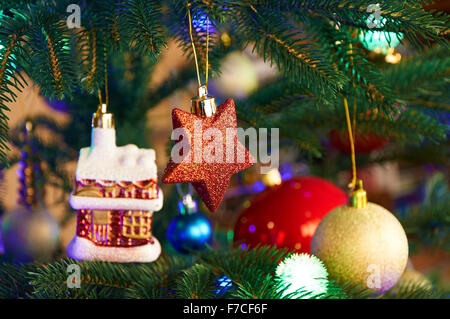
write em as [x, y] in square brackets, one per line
[94, 44]
[207, 50]
[100, 96]
[195, 52]
[105, 52]
[105, 56]
[352, 144]
[193, 46]
[354, 119]
[354, 100]
[352, 132]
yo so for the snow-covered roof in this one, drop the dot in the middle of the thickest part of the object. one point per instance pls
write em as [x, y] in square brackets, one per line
[106, 161]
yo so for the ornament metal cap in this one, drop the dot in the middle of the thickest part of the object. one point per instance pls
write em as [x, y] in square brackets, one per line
[358, 196]
[102, 119]
[203, 105]
[187, 205]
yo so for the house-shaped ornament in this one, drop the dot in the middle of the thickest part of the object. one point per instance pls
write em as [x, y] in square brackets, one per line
[115, 195]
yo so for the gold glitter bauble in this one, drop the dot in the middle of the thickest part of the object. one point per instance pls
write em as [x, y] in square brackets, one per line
[365, 246]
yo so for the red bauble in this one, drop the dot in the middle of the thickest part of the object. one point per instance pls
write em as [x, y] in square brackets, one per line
[288, 215]
[364, 143]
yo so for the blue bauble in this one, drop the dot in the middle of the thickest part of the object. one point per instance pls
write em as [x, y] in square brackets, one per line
[223, 283]
[189, 232]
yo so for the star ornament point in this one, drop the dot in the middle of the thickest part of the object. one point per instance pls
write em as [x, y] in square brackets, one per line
[207, 152]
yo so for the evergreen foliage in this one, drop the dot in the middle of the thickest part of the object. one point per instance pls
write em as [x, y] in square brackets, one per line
[313, 43]
[252, 273]
[428, 224]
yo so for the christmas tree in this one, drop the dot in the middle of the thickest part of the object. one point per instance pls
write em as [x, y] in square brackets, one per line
[345, 91]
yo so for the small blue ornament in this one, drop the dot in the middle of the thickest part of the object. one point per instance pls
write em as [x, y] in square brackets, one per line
[189, 230]
[201, 22]
[57, 105]
[223, 283]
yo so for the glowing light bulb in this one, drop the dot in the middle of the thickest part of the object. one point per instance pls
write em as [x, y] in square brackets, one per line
[303, 273]
[380, 41]
[393, 57]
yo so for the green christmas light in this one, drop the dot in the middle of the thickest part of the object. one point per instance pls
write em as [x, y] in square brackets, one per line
[380, 41]
[303, 273]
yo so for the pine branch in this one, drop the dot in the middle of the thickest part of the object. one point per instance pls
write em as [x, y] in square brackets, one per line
[100, 279]
[106, 17]
[350, 290]
[94, 60]
[406, 128]
[414, 290]
[247, 267]
[6, 5]
[161, 279]
[56, 57]
[177, 23]
[282, 105]
[263, 289]
[12, 30]
[216, 10]
[429, 223]
[48, 41]
[272, 107]
[197, 282]
[3, 98]
[252, 273]
[422, 78]
[291, 51]
[345, 50]
[142, 21]
[411, 126]
[14, 281]
[419, 26]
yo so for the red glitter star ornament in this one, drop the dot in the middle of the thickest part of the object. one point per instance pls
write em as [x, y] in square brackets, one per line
[213, 153]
